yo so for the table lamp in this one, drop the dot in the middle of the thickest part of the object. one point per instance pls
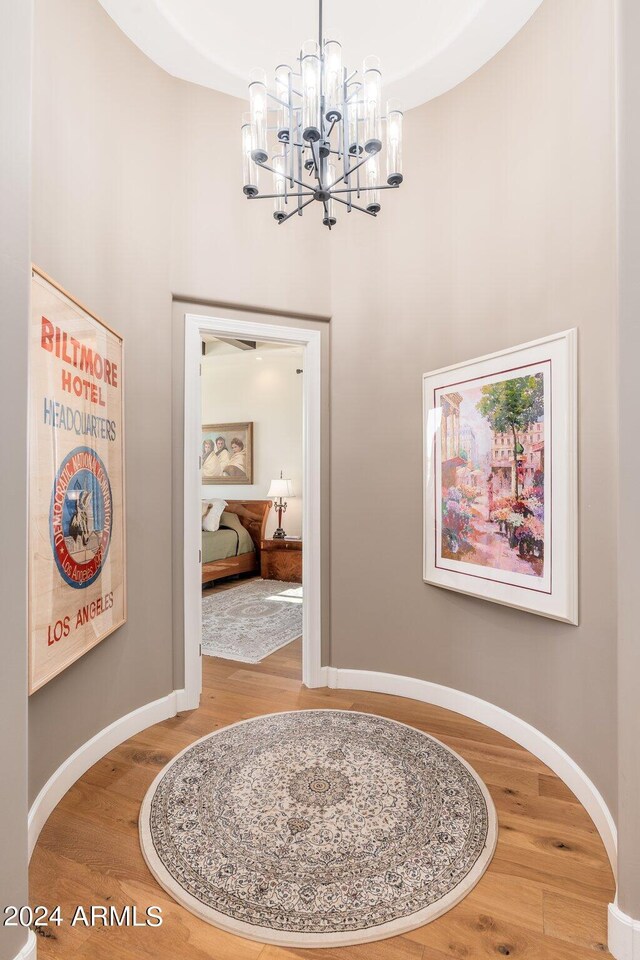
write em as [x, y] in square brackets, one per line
[279, 489]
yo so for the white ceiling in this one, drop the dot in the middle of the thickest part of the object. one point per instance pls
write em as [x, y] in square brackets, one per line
[426, 46]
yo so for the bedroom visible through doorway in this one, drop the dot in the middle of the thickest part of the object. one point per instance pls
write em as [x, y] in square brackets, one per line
[252, 482]
[199, 328]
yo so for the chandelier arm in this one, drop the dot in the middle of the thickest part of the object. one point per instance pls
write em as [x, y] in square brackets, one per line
[293, 154]
[317, 166]
[383, 186]
[298, 156]
[344, 128]
[355, 206]
[293, 212]
[354, 168]
[274, 196]
[265, 166]
[272, 96]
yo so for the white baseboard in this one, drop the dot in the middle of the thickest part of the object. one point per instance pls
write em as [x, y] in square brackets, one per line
[319, 678]
[498, 719]
[187, 700]
[90, 752]
[30, 948]
[624, 934]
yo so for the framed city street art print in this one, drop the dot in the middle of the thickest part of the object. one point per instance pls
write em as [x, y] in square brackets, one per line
[77, 590]
[500, 477]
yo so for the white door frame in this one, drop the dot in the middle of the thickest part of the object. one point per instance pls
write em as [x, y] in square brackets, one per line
[194, 327]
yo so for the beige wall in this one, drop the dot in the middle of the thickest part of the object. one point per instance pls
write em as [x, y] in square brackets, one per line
[15, 277]
[104, 149]
[503, 232]
[133, 201]
[628, 34]
[227, 248]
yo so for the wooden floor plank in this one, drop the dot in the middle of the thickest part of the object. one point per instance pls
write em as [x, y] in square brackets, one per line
[575, 920]
[544, 896]
[551, 786]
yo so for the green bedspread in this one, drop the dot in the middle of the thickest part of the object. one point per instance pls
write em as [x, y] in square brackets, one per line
[224, 543]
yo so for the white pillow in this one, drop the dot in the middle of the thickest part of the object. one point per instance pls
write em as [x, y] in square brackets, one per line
[211, 519]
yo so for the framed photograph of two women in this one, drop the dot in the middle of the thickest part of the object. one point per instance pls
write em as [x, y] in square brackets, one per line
[77, 589]
[227, 453]
[500, 477]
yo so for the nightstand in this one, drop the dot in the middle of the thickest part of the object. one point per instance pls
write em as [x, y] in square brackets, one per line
[281, 560]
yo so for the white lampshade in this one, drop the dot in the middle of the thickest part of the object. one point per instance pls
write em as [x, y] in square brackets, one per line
[282, 487]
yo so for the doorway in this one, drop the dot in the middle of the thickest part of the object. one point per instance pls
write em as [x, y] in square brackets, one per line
[197, 329]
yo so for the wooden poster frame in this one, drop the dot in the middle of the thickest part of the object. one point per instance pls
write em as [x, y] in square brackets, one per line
[35, 683]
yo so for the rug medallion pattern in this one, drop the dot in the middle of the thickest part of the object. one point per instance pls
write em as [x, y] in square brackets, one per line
[317, 822]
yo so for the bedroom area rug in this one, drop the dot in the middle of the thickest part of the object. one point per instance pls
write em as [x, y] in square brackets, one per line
[251, 621]
[318, 828]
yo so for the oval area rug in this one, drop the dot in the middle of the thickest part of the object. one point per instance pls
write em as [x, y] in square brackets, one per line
[318, 828]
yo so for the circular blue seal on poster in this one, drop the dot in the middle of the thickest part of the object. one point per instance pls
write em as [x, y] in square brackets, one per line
[81, 517]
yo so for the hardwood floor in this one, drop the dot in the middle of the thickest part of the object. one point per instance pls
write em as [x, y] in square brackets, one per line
[544, 896]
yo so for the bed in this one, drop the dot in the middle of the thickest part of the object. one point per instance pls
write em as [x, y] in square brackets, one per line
[235, 547]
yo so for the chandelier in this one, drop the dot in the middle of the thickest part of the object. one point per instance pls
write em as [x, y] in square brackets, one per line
[319, 133]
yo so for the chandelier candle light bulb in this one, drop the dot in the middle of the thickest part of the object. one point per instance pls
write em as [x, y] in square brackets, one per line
[328, 124]
[353, 102]
[334, 83]
[279, 186]
[331, 176]
[394, 143]
[311, 89]
[372, 99]
[372, 168]
[249, 169]
[259, 111]
[283, 74]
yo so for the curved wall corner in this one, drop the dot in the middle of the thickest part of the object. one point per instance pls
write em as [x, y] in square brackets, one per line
[457, 701]
[90, 752]
[103, 150]
[16, 65]
[411, 688]
[504, 231]
[123, 194]
[497, 719]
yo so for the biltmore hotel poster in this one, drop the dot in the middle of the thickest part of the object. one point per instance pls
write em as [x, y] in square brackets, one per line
[77, 593]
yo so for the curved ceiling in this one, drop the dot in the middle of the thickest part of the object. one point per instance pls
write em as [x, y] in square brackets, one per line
[426, 47]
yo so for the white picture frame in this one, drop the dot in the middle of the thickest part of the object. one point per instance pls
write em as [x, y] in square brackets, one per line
[500, 477]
